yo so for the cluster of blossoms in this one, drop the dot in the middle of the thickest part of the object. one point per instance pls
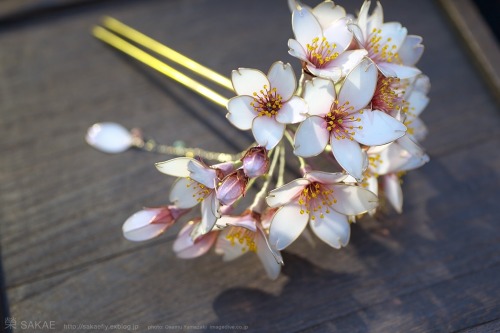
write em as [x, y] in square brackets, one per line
[357, 104]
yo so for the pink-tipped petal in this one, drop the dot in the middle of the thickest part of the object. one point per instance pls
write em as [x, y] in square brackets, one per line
[349, 155]
[333, 229]
[293, 111]
[305, 26]
[177, 167]
[311, 137]
[267, 131]
[241, 113]
[246, 81]
[287, 224]
[138, 227]
[353, 200]
[282, 77]
[359, 85]
[377, 128]
[319, 95]
[185, 248]
[286, 193]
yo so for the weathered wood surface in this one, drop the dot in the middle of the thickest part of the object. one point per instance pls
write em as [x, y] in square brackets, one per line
[434, 268]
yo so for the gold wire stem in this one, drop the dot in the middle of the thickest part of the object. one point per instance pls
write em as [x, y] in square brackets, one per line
[147, 59]
[165, 51]
[152, 146]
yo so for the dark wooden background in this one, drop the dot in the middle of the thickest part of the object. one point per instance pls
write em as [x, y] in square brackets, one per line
[435, 268]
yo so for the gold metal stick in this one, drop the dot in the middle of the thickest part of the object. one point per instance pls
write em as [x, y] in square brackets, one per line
[147, 59]
[163, 50]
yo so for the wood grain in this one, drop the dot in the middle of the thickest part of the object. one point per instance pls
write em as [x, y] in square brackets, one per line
[432, 269]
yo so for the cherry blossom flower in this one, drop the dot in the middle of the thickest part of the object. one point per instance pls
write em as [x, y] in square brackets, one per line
[386, 165]
[150, 222]
[388, 44]
[245, 233]
[323, 46]
[265, 104]
[196, 184]
[345, 121]
[322, 200]
[186, 248]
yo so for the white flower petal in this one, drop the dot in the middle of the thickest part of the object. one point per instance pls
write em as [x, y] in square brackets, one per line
[359, 85]
[266, 256]
[177, 167]
[419, 129]
[184, 193]
[331, 73]
[296, 50]
[411, 50]
[372, 185]
[138, 227]
[109, 137]
[202, 174]
[325, 177]
[246, 81]
[393, 192]
[338, 34]
[327, 13]
[348, 154]
[267, 131]
[362, 21]
[377, 128]
[394, 33]
[418, 102]
[282, 77]
[293, 111]
[348, 60]
[229, 249]
[353, 200]
[209, 215]
[319, 95]
[241, 113]
[333, 229]
[287, 224]
[376, 18]
[305, 26]
[399, 71]
[245, 221]
[286, 193]
[311, 137]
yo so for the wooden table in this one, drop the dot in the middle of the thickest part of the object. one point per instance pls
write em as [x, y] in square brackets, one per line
[435, 268]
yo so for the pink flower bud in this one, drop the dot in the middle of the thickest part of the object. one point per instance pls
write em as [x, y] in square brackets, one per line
[255, 162]
[232, 187]
[150, 222]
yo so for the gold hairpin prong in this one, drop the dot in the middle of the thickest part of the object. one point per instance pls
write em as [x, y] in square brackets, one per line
[147, 59]
[147, 42]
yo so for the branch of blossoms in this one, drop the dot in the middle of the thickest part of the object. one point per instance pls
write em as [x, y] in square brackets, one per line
[357, 107]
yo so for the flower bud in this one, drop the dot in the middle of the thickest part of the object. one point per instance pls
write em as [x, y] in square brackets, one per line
[150, 222]
[232, 187]
[255, 162]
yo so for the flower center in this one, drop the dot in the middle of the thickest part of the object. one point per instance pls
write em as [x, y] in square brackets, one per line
[315, 200]
[340, 122]
[200, 191]
[388, 95]
[244, 237]
[267, 102]
[381, 50]
[321, 52]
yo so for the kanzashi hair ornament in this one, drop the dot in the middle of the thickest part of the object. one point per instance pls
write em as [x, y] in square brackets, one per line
[356, 106]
